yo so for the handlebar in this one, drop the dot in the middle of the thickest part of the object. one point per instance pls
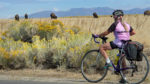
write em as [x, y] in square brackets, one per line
[104, 39]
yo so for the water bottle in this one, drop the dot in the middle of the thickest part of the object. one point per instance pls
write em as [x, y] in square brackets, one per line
[116, 59]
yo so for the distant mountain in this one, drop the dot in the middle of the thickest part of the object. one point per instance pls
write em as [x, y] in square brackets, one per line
[136, 11]
[85, 12]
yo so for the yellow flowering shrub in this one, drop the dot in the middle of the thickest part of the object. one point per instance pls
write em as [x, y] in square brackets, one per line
[69, 31]
[23, 30]
[52, 45]
[11, 59]
[57, 22]
[48, 30]
[75, 29]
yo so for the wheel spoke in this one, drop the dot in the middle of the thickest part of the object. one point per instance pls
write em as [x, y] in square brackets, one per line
[93, 66]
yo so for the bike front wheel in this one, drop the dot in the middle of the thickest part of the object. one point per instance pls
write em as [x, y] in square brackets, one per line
[134, 72]
[92, 66]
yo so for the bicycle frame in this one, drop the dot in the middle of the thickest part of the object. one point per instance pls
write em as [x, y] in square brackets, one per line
[117, 67]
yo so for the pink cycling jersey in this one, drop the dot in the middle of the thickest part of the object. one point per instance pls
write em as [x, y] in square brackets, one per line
[121, 34]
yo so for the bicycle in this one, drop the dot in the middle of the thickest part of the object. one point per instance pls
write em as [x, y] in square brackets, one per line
[94, 70]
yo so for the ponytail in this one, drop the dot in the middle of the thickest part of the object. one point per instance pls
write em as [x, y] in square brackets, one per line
[123, 24]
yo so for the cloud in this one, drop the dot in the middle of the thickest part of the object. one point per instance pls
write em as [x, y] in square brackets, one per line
[55, 9]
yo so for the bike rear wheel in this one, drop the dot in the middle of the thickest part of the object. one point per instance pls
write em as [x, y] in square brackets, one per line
[92, 66]
[134, 72]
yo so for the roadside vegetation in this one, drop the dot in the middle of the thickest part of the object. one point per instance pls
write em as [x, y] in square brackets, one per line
[45, 43]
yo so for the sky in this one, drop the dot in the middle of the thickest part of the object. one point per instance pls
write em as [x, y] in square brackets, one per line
[9, 8]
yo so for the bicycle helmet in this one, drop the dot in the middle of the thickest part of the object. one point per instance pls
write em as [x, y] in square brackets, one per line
[118, 13]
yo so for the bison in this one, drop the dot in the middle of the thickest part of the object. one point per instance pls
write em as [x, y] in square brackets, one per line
[26, 16]
[95, 15]
[53, 16]
[17, 17]
[147, 12]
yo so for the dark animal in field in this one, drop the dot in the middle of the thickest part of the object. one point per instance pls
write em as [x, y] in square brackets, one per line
[95, 15]
[17, 17]
[147, 12]
[26, 16]
[53, 16]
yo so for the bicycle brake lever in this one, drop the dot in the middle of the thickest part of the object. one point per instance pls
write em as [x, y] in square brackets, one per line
[104, 39]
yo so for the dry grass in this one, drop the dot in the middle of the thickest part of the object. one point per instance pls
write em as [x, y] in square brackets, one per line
[139, 22]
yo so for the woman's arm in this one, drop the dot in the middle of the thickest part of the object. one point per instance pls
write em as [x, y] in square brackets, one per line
[104, 33]
[132, 33]
[109, 30]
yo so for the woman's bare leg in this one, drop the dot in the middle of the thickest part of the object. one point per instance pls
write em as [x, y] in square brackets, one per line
[104, 48]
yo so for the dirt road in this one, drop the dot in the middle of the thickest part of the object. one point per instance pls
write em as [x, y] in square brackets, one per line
[5, 79]
[52, 77]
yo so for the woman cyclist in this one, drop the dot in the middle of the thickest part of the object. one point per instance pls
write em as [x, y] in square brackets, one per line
[121, 30]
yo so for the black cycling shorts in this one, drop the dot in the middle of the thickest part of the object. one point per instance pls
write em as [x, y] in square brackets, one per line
[113, 46]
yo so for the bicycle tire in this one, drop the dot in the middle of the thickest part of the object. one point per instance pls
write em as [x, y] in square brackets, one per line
[137, 70]
[92, 66]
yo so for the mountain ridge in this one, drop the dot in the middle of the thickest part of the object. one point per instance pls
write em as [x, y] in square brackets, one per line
[85, 12]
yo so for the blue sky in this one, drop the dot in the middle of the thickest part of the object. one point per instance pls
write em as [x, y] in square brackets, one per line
[8, 8]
